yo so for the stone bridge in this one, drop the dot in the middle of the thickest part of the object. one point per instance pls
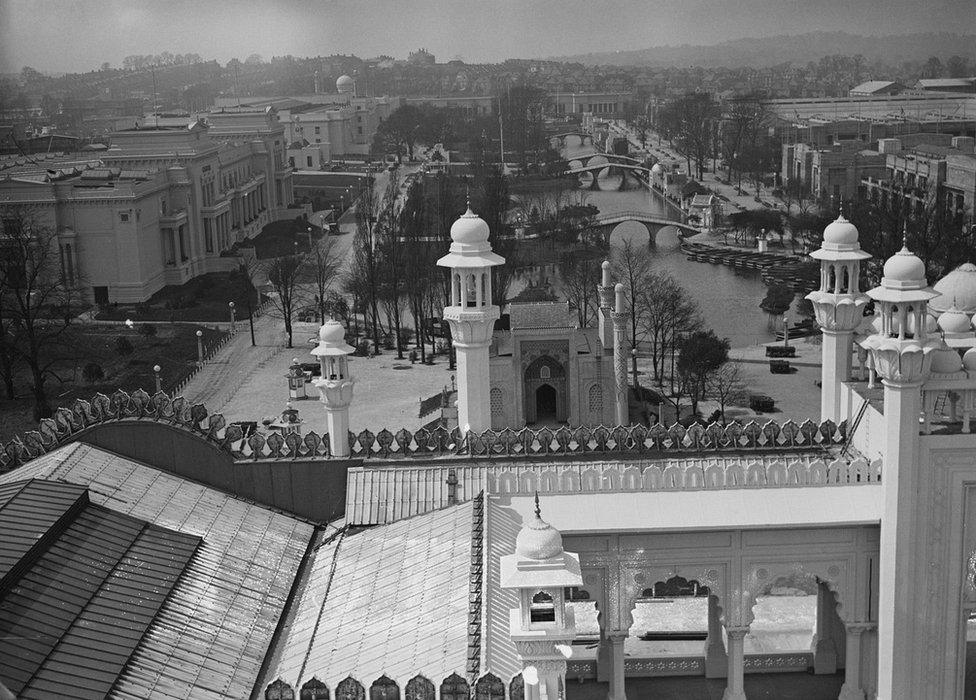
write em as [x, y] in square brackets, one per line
[584, 160]
[604, 224]
[582, 137]
[613, 168]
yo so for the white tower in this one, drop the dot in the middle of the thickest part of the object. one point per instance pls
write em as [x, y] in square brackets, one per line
[604, 292]
[542, 627]
[902, 355]
[839, 306]
[472, 316]
[335, 385]
[620, 391]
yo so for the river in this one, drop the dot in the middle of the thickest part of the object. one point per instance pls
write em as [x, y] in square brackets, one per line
[728, 297]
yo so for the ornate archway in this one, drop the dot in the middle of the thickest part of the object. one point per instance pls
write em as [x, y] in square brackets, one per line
[545, 390]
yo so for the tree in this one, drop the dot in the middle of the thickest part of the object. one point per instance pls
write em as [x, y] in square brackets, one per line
[632, 266]
[688, 121]
[778, 300]
[284, 275]
[392, 259]
[323, 266]
[253, 60]
[700, 355]
[726, 386]
[398, 133]
[364, 276]
[491, 203]
[36, 298]
[666, 311]
[580, 276]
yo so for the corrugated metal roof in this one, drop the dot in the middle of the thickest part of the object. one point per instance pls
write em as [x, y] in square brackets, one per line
[389, 600]
[70, 623]
[211, 635]
[387, 494]
[28, 512]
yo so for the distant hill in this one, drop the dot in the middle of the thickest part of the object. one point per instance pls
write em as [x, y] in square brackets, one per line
[798, 49]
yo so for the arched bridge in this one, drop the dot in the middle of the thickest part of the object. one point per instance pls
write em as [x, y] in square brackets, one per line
[604, 224]
[635, 171]
[582, 136]
[584, 160]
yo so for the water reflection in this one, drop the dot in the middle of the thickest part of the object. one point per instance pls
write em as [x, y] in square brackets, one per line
[728, 297]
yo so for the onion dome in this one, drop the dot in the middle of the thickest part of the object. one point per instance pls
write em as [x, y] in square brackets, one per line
[840, 231]
[945, 360]
[969, 359]
[332, 340]
[538, 539]
[904, 267]
[959, 286]
[657, 169]
[955, 321]
[470, 229]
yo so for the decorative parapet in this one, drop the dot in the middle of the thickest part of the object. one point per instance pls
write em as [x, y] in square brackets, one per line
[67, 423]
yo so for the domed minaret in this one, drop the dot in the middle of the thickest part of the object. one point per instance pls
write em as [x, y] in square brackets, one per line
[901, 354]
[839, 307]
[335, 385]
[472, 316]
[542, 624]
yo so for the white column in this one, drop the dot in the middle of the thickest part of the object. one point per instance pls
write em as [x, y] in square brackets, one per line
[474, 384]
[852, 690]
[824, 652]
[735, 687]
[617, 668]
[716, 660]
[337, 423]
[620, 358]
[835, 368]
[896, 590]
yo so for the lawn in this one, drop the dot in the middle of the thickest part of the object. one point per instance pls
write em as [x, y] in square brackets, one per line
[280, 238]
[202, 298]
[174, 349]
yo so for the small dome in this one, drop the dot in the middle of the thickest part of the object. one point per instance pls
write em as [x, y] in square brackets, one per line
[945, 360]
[955, 321]
[332, 332]
[957, 288]
[344, 81]
[904, 266]
[657, 169]
[538, 539]
[470, 229]
[840, 231]
[969, 359]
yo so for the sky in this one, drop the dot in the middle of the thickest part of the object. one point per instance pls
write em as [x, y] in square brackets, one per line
[78, 35]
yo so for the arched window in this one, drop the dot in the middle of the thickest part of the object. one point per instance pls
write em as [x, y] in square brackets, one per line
[545, 372]
[485, 301]
[496, 399]
[384, 688]
[489, 687]
[314, 689]
[279, 690]
[594, 399]
[542, 608]
[419, 688]
[455, 688]
[350, 689]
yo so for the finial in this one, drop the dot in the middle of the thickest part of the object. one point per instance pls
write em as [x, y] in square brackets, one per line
[840, 210]
[904, 235]
[467, 196]
[538, 508]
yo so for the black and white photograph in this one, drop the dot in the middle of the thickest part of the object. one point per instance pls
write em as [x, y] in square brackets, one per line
[487, 350]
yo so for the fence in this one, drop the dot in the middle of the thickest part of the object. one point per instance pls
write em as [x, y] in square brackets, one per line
[208, 353]
[423, 443]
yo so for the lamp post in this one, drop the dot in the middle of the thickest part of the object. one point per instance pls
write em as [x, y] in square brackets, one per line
[786, 331]
[309, 239]
[156, 370]
[233, 312]
[200, 348]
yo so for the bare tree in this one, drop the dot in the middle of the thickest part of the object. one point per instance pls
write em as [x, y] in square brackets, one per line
[284, 275]
[665, 311]
[322, 266]
[392, 259]
[37, 292]
[366, 271]
[726, 385]
[580, 277]
[632, 266]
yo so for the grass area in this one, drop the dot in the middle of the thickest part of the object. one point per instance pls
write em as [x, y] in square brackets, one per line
[285, 237]
[174, 349]
[202, 298]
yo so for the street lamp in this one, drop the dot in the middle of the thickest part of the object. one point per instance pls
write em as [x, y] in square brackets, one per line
[233, 312]
[200, 348]
[309, 239]
[156, 370]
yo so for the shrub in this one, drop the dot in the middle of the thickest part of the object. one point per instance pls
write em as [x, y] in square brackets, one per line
[93, 372]
[779, 367]
[780, 351]
[147, 330]
[760, 403]
[122, 346]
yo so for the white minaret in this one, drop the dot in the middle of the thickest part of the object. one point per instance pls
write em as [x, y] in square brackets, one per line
[472, 316]
[604, 292]
[620, 357]
[335, 385]
[901, 354]
[541, 627]
[839, 306]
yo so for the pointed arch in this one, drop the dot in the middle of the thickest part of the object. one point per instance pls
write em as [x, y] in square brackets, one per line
[420, 688]
[489, 687]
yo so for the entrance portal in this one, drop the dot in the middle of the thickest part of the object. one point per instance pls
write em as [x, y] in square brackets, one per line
[545, 403]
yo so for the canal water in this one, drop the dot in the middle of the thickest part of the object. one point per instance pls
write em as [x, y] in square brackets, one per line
[728, 297]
